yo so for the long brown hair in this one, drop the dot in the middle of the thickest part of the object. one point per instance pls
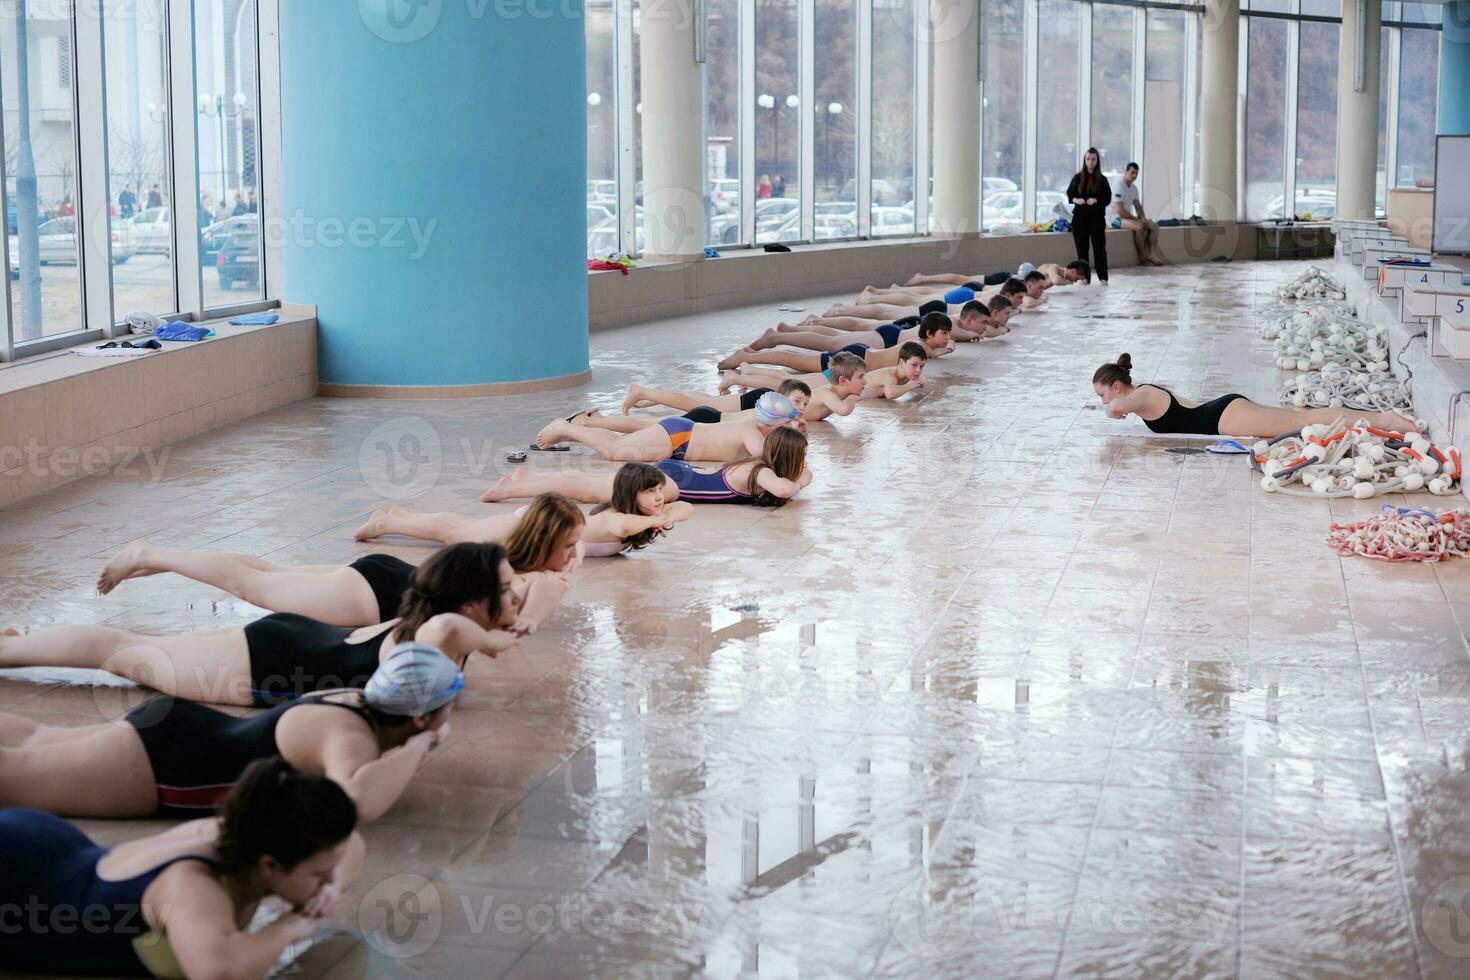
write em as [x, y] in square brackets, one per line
[784, 454]
[630, 481]
[1090, 182]
[455, 575]
[545, 526]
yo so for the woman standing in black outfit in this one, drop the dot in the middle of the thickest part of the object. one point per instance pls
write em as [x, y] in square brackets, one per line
[1090, 193]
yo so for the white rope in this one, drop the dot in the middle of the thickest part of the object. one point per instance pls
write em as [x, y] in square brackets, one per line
[1315, 283]
[1354, 461]
[1326, 336]
[1360, 391]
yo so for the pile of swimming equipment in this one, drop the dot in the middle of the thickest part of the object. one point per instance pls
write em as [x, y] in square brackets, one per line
[1315, 283]
[1359, 391]
[1326, 336]
[1358, 460]
[1401, 534]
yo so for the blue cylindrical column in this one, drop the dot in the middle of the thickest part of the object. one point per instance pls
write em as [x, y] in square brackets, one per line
[434, 203]
[1454, 70]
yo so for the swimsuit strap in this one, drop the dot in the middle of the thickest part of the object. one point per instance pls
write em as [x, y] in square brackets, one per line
[361, 710]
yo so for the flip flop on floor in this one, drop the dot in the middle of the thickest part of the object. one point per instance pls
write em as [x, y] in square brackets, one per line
[1227, 447]
[549, 449]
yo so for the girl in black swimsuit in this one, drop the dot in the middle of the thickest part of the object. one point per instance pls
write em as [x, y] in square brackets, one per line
[365, 592]
[457, 602]
[180, 759]
[1228, 415]
[171, 904]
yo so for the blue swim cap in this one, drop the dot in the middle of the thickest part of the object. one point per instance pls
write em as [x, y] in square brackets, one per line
[959, 294]
[774, 408]
[414, 679]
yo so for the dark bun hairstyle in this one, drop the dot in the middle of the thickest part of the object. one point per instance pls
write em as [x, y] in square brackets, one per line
[277, 811]
[1120, 370]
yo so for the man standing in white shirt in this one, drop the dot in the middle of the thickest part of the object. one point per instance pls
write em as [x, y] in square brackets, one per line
[1126, 211]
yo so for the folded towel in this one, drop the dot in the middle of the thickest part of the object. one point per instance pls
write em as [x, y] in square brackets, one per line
[255, 320]
[179, 330]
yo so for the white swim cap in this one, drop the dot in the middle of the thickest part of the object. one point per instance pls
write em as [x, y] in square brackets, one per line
[774, 408]
[414, 679]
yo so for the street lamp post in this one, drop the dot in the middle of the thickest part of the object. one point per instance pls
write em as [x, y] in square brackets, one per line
[834, 109]
[240, 101]
[766, 101]
[215, 108]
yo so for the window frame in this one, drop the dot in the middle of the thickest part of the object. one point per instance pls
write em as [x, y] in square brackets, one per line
[88, 92]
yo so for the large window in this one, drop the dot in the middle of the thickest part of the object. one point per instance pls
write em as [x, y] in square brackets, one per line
[1164, 100]
[1294, 51]
[139, 188]
[1418, 102]
[1002, 163]
[1316, 120]
[41, 176]
[893, 117]
[835, 117]
[1122, 76]
[227, 96]
[602, 128]
[1057, 152]
[1265, 119]
[1112, 87]
[777, 122]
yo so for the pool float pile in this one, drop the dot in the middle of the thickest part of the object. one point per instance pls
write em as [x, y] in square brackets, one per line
[1405, 534]
[1341, 460]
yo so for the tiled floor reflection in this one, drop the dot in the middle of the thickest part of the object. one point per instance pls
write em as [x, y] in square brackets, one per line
[1003, 694]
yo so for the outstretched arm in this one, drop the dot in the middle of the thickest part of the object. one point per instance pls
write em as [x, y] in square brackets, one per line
[459, 636]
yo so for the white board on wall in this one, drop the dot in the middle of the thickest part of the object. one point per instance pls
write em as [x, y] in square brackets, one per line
[1452, 195]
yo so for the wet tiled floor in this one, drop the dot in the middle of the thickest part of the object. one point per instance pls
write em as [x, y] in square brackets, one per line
[1000, 695]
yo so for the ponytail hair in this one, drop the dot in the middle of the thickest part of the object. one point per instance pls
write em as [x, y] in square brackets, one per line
[1120, 371]
[461, 573]
[630, 481]
[276, 811]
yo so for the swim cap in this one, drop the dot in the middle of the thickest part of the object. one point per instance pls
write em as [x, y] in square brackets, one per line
[957, 295]
[414, 679]
[774, 408]
[1025, 270]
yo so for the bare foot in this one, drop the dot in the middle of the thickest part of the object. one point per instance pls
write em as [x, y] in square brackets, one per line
[808, 319]
[130, 562]
[373, 528]
[555, 432]
[865, 295]
[832, 310]
[730, 379]
[914, 281]
[734, 360]
[784, 327]
[631, 399]
[766, 341]
[504, 486]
